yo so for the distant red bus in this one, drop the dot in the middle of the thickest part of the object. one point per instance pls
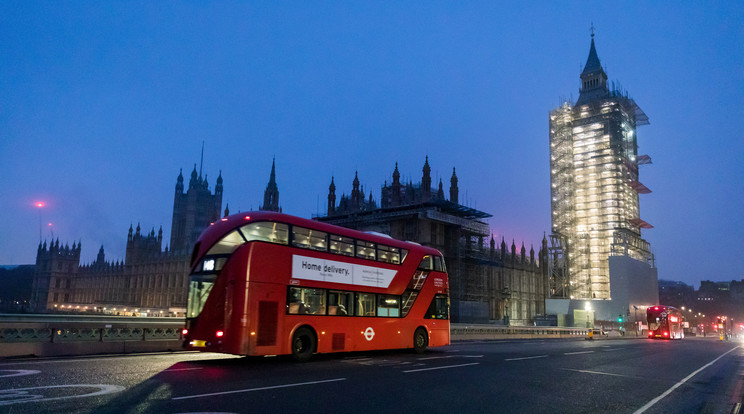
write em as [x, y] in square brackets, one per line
[265, 283]
[664, 322]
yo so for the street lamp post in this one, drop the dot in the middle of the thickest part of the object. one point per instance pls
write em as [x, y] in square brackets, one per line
[39, 205]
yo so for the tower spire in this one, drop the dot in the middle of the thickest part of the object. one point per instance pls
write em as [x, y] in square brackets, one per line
[201, 163]
[271, 195]
[593, 77]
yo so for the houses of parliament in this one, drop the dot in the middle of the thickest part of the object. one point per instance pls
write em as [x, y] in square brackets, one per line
[151, 280]
[488, 282]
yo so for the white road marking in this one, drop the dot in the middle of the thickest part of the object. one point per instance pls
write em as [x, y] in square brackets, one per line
[677, 385]
[258, 389]
[450, 356]
[193, 355]
[180, 369]
[523, 358]
[437, 357]
[18, 372]
[444, 367]
[577, 353]
[21, 395]
[595, 372]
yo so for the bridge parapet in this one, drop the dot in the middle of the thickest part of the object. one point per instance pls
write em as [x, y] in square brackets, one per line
[54, 335]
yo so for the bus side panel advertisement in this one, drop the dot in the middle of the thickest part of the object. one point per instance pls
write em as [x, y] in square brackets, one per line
[311, 268]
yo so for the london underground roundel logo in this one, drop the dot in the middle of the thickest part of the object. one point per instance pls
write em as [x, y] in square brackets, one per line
[369, 333]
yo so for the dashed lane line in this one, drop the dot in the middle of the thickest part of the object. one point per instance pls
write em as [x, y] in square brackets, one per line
[18, 372]
[595, 372]
[442, 367]
[523, 358]
[179, 369]
[273, 387]
[450, 356]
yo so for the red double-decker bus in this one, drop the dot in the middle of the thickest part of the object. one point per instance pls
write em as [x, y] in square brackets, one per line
[664, 322]
[265, 283]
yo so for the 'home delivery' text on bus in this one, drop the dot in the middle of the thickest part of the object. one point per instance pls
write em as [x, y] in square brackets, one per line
[266, 283]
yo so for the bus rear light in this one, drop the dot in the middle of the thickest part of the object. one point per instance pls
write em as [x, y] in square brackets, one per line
[247, 218]
[650, 333]
[666, 333]
[220, 334]
[184, 332]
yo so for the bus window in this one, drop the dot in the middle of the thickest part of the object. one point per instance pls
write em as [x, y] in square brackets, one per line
[266, 231]
[365, 250]
[199, 289]
[365, 304]
[439, 308]
[426, 263]
[408, 298]
[388, 306]
[227, 244]
[342, 245]
[305, 301]
[439, 264]
[388, 254]
[340, 303]
[309, 239]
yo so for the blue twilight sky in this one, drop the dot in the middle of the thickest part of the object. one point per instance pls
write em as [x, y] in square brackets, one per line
[102, 103]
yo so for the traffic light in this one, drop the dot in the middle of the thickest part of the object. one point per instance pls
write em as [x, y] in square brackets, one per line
[620, 318]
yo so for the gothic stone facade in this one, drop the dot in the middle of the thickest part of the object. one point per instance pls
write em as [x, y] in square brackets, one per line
[150, 280]
[486, 284]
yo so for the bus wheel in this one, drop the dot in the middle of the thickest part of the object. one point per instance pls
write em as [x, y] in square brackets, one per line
[303, 344]
[420, 341]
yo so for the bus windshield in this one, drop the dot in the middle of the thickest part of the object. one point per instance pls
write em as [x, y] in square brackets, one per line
[199, 288]
[202, 279]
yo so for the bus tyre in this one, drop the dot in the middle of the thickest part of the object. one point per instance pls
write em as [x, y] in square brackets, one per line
[420, 341]
[303, 344]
